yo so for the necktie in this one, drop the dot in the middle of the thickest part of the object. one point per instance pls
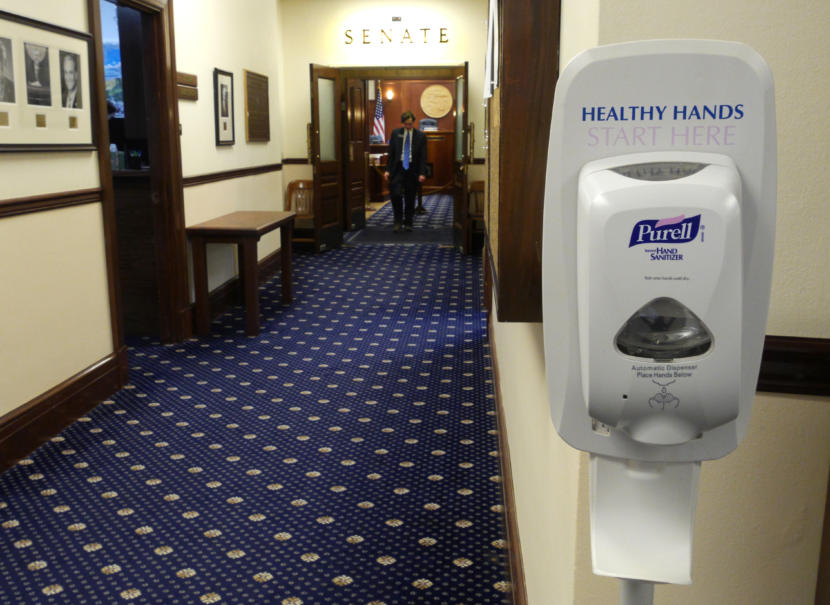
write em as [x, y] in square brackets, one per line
[406, 151]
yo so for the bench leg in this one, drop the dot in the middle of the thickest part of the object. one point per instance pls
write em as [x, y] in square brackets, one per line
[200, 286]
[248, 273]
[286, 234]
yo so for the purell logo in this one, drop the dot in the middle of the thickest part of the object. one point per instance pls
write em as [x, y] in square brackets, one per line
[674, 230]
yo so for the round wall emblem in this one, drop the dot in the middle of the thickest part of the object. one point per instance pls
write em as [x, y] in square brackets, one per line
[436, 101]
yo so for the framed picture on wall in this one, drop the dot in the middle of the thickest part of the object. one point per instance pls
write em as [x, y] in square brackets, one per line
[44, 86]
[223, 106]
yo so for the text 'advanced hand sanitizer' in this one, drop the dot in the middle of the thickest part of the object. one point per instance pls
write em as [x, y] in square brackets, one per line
[658, 241]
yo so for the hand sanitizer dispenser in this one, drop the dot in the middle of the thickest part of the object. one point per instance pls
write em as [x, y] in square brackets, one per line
[659, 237]
[658, 242]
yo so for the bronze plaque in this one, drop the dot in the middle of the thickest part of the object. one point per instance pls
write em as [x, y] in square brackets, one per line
[187, 93]
[40, 120]
[187, 79]
[257, 124]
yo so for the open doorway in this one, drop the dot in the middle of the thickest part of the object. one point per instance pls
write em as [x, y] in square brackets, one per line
[357, 153]
[432, 101]
[146, 167]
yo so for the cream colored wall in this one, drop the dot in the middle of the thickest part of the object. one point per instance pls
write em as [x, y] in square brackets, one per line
[580, 28]
[54, 297]
[22, 173]
[66, 13]
[313, 32]
[545, 470]
[55, 303]
[242, 37]
[760, 509]
[240, 40]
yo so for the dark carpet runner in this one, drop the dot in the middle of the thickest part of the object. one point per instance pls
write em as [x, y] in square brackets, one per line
[346, 455]
[432, 227]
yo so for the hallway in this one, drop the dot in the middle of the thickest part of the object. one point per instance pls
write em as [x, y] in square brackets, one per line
[346, 455]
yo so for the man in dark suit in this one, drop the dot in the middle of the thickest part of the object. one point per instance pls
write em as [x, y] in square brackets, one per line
[405, 169]
[70, 93]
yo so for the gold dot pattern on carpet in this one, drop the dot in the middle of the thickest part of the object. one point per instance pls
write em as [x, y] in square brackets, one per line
[346, 454]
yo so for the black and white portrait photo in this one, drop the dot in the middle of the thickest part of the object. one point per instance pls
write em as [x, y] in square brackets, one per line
[70, 80]
[6, 71]
[224, 95]
[38, 84]
[223, 106]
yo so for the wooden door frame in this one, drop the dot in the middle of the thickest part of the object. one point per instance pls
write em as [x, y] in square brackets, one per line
[166, 175]
[347, 163]
[462, 224]
[330, 234]
[426, 72]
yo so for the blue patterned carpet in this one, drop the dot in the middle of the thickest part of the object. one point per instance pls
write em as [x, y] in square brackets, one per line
[438, 216]
[433, 227]
[346, 455]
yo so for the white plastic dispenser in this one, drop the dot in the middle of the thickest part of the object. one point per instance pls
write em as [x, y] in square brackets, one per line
[659, 236]
[658, 240]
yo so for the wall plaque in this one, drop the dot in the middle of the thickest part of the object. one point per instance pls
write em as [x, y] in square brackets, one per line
[436, 101]
[257, 124]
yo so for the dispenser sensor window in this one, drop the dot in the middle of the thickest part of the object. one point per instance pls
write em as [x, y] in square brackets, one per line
[660, 171]
[663, 330]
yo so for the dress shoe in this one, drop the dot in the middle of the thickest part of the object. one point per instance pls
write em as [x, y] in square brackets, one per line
[397, 228]
[420, 210]
[407, 228]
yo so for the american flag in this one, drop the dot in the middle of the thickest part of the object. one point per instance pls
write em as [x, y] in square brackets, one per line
[379, 126]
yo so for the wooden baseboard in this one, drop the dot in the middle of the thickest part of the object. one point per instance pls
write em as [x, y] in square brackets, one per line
[514, 549]
[22, 430]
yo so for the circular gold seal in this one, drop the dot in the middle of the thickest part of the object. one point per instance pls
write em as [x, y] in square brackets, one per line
[436, 101]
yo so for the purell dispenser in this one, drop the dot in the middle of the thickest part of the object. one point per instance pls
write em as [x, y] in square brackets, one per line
[657, 260]
[659, 235]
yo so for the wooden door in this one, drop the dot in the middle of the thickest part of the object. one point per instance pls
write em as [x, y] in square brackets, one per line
[355, 156]
[147, 210]
[461, 218]
[326, 156]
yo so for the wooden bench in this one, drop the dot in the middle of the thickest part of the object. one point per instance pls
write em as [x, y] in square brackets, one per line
[243, 228]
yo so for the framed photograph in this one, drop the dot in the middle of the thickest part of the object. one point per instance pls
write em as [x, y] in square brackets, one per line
[257, 121]
[44, 86]
[223, 106]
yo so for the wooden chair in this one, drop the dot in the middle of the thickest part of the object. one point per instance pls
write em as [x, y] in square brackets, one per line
[299, 197]
[475, 213]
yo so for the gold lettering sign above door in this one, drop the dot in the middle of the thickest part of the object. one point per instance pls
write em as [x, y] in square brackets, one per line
[436, 101]
[393, 35]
